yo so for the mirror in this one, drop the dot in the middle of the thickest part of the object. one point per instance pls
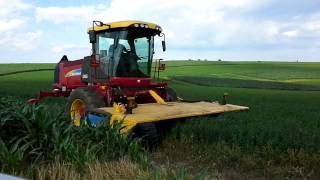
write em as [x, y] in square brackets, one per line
[162, 67]
[99, 23]
[92, 37]
[163, 46]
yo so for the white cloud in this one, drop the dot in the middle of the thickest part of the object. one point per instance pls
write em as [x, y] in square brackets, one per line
[8, 8]
[70, 14]
[209, 24]
[28, 40]
[175, 11]
[13, 35]
[6, 24]
[64, 48]
[292, 33]
[21, 41]
[313, 23]
[189, 23]
[10, 14]
[307, 26]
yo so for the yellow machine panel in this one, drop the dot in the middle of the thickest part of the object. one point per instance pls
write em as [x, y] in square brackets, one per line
[125, 24]
[171, 110]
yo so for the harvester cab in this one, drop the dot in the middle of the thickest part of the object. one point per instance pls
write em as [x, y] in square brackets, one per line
[121, 49]
[114, 83]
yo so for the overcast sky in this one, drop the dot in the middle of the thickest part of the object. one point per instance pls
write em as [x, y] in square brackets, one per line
[280, 30]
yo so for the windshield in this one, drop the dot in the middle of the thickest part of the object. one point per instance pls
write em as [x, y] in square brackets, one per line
[126, 53]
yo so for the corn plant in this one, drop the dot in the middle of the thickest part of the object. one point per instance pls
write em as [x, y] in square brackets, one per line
[41, 134]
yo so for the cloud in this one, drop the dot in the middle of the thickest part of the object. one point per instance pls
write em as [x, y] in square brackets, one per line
[216, 24]
[303, 27]
[71, 14]
[208, 28]
[193, 24]
[28, 40]
[187, 23]
[13, 33]
[212, 10]
[21, 41]
[64, 48]
[292, 33]
[6, 24]
[8, 8]
[199, 25]
[10, 14]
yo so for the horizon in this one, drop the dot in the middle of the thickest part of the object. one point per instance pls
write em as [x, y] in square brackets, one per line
[196, 60]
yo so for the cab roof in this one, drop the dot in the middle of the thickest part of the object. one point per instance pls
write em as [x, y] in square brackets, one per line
[126, 24]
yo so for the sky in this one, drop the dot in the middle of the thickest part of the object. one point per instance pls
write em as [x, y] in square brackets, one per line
[44, 30]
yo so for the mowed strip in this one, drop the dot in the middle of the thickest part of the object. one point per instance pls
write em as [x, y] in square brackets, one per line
[241, 83]
[25, 71]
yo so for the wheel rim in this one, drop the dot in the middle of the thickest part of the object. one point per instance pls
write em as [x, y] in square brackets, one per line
[77, 110]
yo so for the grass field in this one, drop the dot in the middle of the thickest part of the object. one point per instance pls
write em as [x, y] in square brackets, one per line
[5, 68]
[267, 71]
[279, 137]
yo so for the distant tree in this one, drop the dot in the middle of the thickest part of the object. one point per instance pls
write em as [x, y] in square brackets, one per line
[219, 60]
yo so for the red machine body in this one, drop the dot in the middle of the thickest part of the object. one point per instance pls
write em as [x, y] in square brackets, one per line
[113, 90]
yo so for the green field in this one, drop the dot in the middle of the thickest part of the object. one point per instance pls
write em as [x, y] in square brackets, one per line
[264, 71]
[6, 68]
[278, 137]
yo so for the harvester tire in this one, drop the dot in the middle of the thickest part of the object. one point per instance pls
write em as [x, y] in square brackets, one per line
[172, 95]
[90, 99]
[147, 133]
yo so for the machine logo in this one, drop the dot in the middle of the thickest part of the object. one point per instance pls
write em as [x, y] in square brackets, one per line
[75, 72]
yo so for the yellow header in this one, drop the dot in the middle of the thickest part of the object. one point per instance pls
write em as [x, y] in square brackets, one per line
[125, 24]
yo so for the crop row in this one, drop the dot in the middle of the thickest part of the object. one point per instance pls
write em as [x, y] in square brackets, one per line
[240, 83]
[32, 135]
[281, 119]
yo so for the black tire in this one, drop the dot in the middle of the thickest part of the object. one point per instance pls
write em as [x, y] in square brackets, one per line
[147, 133]
[171, 95]
[91, 98]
